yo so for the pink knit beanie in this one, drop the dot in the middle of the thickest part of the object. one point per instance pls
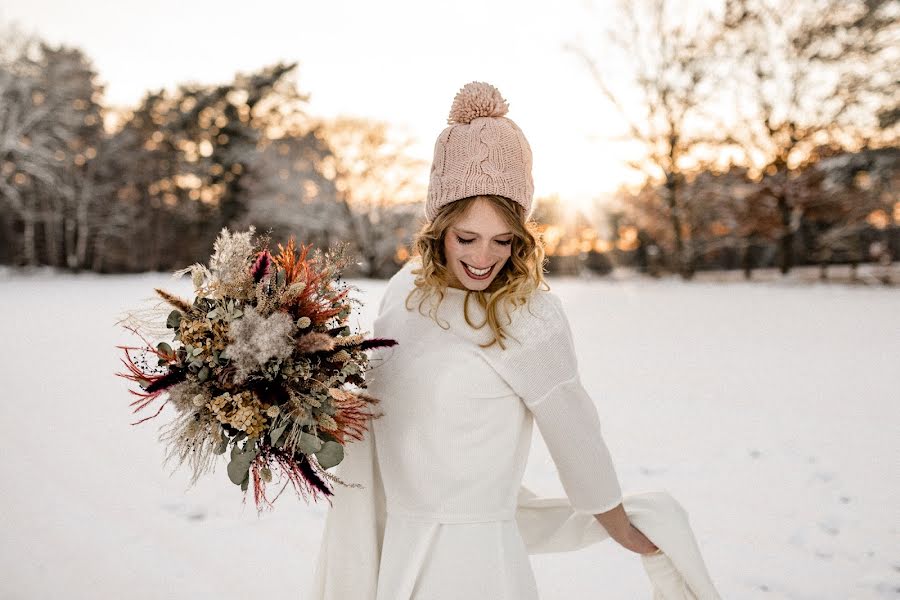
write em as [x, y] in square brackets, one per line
[481, 152]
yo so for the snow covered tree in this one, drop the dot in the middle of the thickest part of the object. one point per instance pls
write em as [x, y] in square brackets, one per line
[289, 193]
[851, 200]
[184, 157]
[372, 172]
[50, 127]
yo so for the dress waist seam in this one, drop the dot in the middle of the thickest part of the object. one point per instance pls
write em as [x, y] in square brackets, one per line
[501, 515]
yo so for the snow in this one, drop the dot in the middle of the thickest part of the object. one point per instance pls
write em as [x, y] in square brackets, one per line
[769, 411]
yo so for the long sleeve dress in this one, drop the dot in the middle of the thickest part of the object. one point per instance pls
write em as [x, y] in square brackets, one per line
[442, 513]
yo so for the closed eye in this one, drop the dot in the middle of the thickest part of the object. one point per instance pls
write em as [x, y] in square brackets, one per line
[501, 242]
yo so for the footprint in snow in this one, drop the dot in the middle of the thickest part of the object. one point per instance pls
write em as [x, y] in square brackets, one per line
[191, 513]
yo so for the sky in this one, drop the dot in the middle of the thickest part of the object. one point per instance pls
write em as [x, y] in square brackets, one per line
[401, 61]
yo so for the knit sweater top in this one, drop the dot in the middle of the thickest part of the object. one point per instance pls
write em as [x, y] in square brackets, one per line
[457, 418]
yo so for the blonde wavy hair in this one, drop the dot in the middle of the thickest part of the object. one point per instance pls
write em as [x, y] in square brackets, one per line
[522, 274]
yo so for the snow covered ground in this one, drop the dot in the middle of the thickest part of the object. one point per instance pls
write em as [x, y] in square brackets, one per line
[771, 412]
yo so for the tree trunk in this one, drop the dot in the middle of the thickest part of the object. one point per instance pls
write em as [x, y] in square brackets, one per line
[83, 221]
[747, 261]
[671, 188]
[69, 231]
[786, 242]
[29, 250]
[53, 215]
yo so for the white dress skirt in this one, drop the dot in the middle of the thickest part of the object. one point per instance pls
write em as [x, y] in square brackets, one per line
[434, 560]
[414, 555]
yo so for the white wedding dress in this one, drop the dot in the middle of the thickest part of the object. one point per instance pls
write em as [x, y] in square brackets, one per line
[442, 514]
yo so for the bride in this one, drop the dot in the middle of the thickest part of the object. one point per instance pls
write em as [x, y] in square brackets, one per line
[484, 351]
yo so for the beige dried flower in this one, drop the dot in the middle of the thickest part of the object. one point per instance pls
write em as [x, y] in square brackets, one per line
[199, 274]
[314, 341]
[349, 340]
[327, 423]
[340, 395]
[228, 264]
[256, 339]
[176, 301]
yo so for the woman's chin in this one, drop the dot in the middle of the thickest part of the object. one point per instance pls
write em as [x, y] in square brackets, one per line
[478, 286]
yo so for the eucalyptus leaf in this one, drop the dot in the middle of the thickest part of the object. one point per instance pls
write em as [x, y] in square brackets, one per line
[173, 320]
[331, 454]
[276, 433]
[203, 374]
[327, 436]
[222, 446]
[308, 444]
[239, 467]
[164, 348]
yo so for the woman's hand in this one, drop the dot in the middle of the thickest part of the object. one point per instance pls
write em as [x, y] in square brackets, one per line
[616, 523]
[636, 541]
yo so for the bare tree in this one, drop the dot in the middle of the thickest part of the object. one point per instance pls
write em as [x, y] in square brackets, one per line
[372, 171]
[671, 62]
[811, 72]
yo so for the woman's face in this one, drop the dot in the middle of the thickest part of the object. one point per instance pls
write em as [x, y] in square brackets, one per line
[480, 240]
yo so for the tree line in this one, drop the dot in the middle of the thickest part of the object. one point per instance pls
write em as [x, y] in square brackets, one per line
[88, 187]
[765, 134]
[767, 129]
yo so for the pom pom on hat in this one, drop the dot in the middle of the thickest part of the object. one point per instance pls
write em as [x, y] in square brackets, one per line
[476, 99]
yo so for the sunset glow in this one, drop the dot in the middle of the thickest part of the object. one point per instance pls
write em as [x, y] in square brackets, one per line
[551, 96]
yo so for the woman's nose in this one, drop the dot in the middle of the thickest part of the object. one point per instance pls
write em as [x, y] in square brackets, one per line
[484, 255]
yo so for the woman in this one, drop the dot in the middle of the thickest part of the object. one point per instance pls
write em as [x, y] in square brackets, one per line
[483, 351]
